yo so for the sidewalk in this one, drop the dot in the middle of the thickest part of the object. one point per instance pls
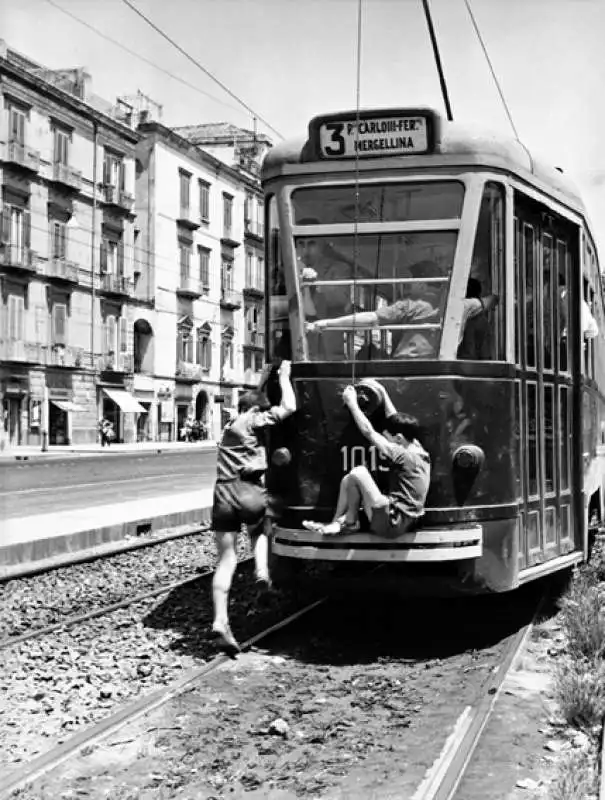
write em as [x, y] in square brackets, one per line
[30, 453]
[43, 538]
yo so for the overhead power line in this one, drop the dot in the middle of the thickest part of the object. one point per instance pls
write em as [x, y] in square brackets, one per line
[207, 72]
[487, 58]
[139, 56]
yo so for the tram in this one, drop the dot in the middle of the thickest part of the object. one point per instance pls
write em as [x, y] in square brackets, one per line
[376, 205]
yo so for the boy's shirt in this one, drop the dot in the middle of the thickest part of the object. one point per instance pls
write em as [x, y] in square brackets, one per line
[241, 451]
[409, 477]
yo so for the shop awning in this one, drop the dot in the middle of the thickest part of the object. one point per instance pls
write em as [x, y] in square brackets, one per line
[65, 405]
[125, 401]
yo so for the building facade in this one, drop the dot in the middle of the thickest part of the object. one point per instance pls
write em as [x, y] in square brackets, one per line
[67, 243]
[199, 333]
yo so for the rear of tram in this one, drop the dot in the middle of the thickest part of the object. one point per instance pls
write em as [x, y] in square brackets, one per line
[364, 218]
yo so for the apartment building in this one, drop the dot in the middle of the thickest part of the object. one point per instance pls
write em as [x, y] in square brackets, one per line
[67, 176]
[201, 260]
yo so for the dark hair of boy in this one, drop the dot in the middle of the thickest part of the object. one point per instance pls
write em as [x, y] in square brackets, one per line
[402, 423]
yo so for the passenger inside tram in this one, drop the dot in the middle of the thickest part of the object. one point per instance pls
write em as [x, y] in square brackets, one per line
[475, 330]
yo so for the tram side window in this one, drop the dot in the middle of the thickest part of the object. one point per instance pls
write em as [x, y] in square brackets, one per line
[279, 339]
[562, 332]
[547, 302]
[531, 305]
[483, 335]
[519, 282]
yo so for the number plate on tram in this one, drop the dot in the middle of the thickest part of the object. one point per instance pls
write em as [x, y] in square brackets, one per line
[373, 137]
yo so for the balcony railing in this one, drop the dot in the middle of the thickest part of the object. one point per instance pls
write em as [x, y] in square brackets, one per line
[227, 374]
[231, 299]
[61, 269]
[116, 362]
[17, 257]
[190, 287]
[254, 228]
[252, 289]
[67, 176]
[23, 156]
[60, 355]
[23, 352]
[189, 371]
[255, 339]
[113, 196]
[116, 284]
[187, 218]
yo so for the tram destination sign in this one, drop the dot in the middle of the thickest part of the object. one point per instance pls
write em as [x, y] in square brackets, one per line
[372, 135]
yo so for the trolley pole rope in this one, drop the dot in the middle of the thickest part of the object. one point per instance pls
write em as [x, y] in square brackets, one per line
[429, 22]
[356, 221]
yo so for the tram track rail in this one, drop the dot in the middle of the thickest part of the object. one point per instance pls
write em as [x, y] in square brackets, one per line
[444, 777]
[95, 734]
[78, 619]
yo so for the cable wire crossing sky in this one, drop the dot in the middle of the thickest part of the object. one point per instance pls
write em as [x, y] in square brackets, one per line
[284, 61]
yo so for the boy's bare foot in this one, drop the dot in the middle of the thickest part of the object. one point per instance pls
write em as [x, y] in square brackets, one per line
[225, 640]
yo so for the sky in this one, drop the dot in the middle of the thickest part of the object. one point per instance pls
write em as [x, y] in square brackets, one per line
[289, 60]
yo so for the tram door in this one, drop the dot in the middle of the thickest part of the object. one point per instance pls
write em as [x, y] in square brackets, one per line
[545, 247]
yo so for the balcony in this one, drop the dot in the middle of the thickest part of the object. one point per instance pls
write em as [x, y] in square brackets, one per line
[187, 219]
[190, 287]
[66, 176]
[230, 299]
[116, 284]
[60, 269]
[255, 340]
[23, 156]
[188, 371]
[227, 238]
[120, 362]
[22, 352]
[251, 290]
[17, 257]
[113, 196]
[61, 355]
[228, 375]
[253, 229]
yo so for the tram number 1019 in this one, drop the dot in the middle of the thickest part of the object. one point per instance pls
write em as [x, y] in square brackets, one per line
[359, 456]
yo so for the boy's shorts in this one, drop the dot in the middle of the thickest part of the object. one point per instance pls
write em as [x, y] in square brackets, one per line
[238, 502]
[388, 520]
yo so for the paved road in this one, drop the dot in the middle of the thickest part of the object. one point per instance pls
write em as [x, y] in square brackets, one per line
[58, 484]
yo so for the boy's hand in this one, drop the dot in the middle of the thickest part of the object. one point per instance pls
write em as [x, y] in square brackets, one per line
[349, 396]
[285, 369]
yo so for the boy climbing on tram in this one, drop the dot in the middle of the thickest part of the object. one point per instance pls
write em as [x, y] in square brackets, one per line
[409, 475]
[240, 496]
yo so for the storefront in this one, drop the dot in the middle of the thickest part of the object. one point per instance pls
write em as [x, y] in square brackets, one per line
[14, 390]
[117, 403]
[165, 423]
[183, 396]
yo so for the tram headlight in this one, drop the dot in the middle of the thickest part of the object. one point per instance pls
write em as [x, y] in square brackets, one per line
[467, 461]
[468, 457]
[281, 457]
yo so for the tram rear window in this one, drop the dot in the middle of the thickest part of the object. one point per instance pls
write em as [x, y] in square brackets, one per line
[392, 202]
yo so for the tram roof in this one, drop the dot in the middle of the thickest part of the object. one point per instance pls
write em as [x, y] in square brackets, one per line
[466, 144]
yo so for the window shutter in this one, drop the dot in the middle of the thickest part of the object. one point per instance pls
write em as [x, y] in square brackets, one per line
[27, 229]
[106, 172]
[121, 257]
[59, 323]
[6, 225]
[123, 334]
[103, 256]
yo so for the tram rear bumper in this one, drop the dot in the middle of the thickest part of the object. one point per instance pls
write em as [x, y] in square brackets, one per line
[426, 545]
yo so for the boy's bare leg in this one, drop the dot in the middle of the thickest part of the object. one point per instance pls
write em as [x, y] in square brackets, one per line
[260, 544]
[226, 543]
[347, 508]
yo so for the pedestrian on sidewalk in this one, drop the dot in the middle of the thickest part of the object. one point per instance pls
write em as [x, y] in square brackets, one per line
[240, 495]
[106, 432]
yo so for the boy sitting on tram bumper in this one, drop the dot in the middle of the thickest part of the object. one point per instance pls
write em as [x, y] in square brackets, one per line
[409, 475]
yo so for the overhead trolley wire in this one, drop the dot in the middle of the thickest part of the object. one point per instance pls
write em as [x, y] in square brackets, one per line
[140, 57]
[207, 72]
[487, 58]
[355, 230]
